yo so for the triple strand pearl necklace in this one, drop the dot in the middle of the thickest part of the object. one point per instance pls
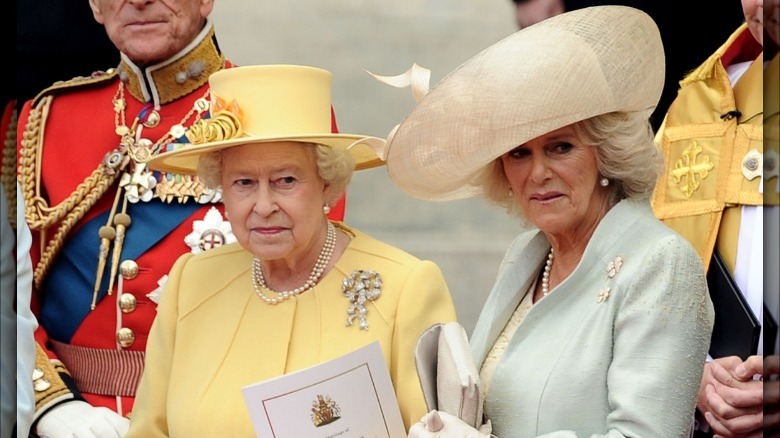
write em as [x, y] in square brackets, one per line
[258, 280]
[546, 274]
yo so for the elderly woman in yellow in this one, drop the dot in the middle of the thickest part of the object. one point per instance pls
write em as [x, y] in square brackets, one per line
[277, 300]
[599, 321]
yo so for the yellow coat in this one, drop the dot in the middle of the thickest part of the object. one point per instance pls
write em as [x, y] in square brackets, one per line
[213, 335]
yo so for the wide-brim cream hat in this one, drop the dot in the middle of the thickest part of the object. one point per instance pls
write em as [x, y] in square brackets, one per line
[266, 103]
[549, 75]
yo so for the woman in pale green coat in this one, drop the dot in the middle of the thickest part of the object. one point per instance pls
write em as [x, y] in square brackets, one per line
[599, 321]
[280, 299]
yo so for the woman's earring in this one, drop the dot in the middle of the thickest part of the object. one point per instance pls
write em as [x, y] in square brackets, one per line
[604, 182]
[326, 209]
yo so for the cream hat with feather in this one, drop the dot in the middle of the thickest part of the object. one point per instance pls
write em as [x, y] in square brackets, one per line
[549, 75]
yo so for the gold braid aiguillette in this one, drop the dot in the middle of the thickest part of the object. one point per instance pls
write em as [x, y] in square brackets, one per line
[122, 221]
[107, 234]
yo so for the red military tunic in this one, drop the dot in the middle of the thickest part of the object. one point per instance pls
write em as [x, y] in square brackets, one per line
[70, 148]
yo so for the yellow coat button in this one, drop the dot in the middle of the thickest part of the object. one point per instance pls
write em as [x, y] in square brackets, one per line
[125, 337]
[37, 373]
[127, 302]
[128, 269]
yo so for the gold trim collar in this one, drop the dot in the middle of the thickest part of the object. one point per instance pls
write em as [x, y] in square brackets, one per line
[176, 77]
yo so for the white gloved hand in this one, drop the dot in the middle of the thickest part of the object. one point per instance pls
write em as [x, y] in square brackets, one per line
[78, 419]
[441, 424]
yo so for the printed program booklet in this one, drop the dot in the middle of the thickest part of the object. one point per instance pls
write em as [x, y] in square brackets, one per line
[350, 396]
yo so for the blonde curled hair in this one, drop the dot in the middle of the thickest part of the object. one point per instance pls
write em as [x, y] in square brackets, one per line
[335, 166]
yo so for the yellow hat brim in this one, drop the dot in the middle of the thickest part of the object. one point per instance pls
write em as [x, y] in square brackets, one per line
[185, 159]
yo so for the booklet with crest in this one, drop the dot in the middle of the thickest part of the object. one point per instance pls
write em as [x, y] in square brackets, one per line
[350, 396]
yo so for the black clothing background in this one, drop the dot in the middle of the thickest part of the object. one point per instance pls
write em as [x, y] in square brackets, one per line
[57, 40]
[691, 30]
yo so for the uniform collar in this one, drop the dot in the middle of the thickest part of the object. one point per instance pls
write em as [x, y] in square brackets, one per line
[178, 76]
[741, 47]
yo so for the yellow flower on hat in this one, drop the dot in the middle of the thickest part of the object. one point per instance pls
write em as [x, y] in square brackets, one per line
[220, 105]
[223, 125]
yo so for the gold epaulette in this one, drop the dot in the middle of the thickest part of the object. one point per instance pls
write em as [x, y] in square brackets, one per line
[38, 214]
[49, 386]
[77, 82]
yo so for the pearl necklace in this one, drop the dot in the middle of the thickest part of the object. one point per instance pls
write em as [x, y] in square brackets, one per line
[546, 274]
[258, 280]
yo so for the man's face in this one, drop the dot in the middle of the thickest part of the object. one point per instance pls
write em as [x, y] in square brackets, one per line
[754, 15]
[150, 31]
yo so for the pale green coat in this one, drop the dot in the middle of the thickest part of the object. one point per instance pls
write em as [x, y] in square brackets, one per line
[626, 365]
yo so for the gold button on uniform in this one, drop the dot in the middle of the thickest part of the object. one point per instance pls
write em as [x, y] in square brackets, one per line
[125, 337]
[153, 119]
[128, 269]
[127, 302]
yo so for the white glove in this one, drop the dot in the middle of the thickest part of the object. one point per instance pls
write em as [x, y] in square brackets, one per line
[441, 424]
[78, 419]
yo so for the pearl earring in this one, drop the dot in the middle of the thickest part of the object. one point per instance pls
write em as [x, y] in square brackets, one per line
[326, 209]
[604, 182]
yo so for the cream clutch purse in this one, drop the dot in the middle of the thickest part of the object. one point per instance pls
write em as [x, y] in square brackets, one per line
[448, 375]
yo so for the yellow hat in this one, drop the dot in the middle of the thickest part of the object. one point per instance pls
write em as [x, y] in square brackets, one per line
[559, 71]
[266, 103]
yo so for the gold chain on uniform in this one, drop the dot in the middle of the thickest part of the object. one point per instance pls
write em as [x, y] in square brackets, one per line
[133, 180]
[39, 215]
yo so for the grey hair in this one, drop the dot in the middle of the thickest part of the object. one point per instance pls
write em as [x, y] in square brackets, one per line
[626, 154]
[334, 165]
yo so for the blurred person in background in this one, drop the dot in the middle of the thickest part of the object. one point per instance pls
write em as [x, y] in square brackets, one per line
[772, 223]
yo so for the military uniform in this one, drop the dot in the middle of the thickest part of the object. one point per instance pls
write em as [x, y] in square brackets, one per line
[107, 229]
